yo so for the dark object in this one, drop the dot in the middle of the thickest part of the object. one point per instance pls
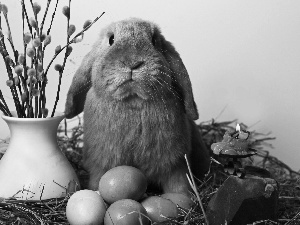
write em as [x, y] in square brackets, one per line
[257, 171]
[232, 148]
[250, 152]
[234, 166]
[243, 201]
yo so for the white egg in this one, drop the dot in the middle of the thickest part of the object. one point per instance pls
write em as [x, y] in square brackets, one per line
[85, 207]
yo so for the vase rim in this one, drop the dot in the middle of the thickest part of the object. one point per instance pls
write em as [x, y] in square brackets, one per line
[14, 117]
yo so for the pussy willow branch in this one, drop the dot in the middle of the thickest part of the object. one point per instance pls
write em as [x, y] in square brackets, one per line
[3, 106]
[18, 85]
[24, 63]
[10, 40]
[28, 90]
[64, 63]
[52, 18]
[13, 90]
[86, 28]
[10, 76]
[36, 18]
[44, 82]
[70, 42]
[26, 96]
[35, 15]
[44, 17]
[65, 58]
[5, 111]
[42, 96]
[34, 63]
[29, 112]
[26, 16]
[36, 60]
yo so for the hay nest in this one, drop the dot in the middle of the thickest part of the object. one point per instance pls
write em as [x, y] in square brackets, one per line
[52, 211]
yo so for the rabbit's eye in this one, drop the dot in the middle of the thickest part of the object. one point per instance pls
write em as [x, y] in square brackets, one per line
[111, 40]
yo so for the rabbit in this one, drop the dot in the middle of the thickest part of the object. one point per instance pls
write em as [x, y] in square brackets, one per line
[138, 106]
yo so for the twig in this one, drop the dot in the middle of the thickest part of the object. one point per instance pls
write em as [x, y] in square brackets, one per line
[70, 42]
[289, 198]
[26, 16]
[35, 17]
[194, 187]
[10, 40]
[24, 63]
[3, 109]
[64, 63]
[294, 218]
[4, 104]
[44, 17]
[10, 75]
[279, 163]
[222, 111]
[65, 58]
[52, 18]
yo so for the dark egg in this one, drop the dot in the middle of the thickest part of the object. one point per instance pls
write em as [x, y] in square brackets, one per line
[122, 182]
[160, 209]
[179, 199]
[126, 212]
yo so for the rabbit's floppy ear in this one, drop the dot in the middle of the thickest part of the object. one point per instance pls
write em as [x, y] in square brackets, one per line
[80, 85]
[182, 78]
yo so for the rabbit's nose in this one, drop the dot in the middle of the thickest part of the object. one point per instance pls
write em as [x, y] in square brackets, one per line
[136, 65]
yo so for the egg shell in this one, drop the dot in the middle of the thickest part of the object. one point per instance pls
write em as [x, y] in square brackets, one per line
[159, 208]
[85, 207]
[179, 199]
[126, 212]
[122, 182]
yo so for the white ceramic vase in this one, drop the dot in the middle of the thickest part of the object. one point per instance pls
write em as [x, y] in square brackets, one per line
[33, 167]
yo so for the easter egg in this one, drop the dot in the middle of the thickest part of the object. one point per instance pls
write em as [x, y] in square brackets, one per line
[159, 209]
[122, 182]
[179, 199]
[85, 207]
[126, 212]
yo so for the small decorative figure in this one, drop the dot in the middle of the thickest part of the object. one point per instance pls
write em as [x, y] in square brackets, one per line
[235, 145]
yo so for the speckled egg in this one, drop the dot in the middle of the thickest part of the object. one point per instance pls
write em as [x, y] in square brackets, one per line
[122, 182]
[126, 212]
[179, 199]
[159, 208]
[85, 207]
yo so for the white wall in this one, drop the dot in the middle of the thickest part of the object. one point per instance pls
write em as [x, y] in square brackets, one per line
[242, 55]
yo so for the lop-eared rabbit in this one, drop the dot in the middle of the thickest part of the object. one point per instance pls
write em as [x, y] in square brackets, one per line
[138, 107]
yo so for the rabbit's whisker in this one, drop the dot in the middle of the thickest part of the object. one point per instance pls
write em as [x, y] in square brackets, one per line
[162, 97]
[158, 96]
[148, 92]
[175, 73]
[162, 85]
[152, 97]
[169, 87]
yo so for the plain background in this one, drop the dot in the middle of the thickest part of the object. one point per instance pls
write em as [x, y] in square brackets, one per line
[242, 56]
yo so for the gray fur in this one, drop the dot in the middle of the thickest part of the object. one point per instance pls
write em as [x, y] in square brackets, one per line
[138, 107]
